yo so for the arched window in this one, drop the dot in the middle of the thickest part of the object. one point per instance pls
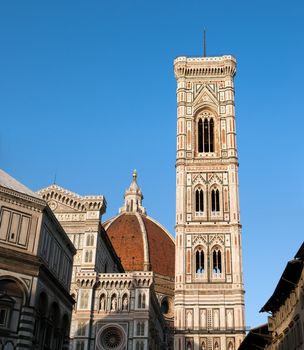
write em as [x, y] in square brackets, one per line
[90, 240]
[139, 301]
[138, 328]
[142, 328]
[216, 261]
[189, 347]
[200, 136]
[84, 300]
[205, 135]
[199, 261]
[215, 200]
[199, 200]
[88, 256]
[11, 299]
[203, 347]
[164, 306]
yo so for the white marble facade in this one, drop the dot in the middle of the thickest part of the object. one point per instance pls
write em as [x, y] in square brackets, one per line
[209, 292]
[113, 309]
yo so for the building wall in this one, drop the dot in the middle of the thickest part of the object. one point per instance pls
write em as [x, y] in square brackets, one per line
[35, 305]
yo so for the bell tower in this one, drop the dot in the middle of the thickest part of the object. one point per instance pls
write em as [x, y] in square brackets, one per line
[209, 291]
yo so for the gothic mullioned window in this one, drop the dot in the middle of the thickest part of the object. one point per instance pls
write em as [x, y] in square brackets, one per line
[90, 240]
[199, 261]
[141, 301]
[216, 261]
[215, 200]
[84, 299]
[205, 135]
[88, 256]
[140, 328]
[199, 200]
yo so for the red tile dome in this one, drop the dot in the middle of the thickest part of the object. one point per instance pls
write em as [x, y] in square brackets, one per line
[140, 241]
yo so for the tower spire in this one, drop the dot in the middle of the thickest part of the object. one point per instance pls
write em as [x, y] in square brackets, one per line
[205, 54]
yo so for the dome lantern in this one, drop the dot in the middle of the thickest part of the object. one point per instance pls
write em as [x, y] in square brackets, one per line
[133, 198]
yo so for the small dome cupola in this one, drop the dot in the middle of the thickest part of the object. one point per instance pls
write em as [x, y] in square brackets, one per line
[133, 198]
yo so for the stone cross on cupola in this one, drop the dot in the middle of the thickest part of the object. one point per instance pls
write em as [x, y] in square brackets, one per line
[133, 198]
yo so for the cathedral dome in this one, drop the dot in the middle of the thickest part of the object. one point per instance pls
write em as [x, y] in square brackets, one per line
[140, 241]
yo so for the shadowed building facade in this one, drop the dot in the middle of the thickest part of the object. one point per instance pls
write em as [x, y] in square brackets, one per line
[285, 327]
[36, 258]
[209, 293]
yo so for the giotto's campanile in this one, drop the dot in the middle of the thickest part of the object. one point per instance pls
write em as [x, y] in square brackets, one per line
[209, 291]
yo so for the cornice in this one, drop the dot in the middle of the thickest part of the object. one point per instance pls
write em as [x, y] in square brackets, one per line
[73, 200]
[13, 197]
[185, 67]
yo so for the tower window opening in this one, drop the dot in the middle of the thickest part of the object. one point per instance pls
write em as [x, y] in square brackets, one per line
[200, 136]
[143, 303]
[199, 200]
[217, 261]
[139, 301]
[90, 240]
[205, 135]
[215, 200]
[142, 328]
[200, 263]
[138, 328]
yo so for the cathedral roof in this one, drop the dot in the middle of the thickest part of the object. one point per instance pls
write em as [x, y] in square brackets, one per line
[140, 241]
[11, 183]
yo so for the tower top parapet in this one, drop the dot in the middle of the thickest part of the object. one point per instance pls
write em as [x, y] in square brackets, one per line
[204, 66]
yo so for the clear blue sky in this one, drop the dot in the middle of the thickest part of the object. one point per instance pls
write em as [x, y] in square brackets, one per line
[87, 91]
